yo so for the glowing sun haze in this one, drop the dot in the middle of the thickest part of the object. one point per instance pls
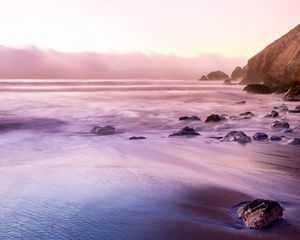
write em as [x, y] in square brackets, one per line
[179, 27]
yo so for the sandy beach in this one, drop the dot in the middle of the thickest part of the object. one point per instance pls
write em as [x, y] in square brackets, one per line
[58, 181]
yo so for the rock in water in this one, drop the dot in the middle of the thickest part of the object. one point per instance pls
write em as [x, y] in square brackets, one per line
[260, 136]
[214, 118]
[137, 138]
[203, 78]
[103, 130]
[186, 131]
[273, 114]
[260, 213]
[275, 138]
[247, 114]
[237, 136]
[258, 88]
[278, 65]
[280, 125]
[281, 108]
[189, 118]
[295, 141]
[238, 73]
[227, 81]
[217, 75]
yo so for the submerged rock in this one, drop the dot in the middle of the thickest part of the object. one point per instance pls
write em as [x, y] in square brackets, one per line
[273, 114]
[260, 136]
[186, 131]
[276, 138]
[237, 136]
[247, 114]
[258, 88]
[103, 130]
[281, 108]
[214, 118]
[137, 138]
[189, 118]
[280, 125]
[295, 141]
[260, 213]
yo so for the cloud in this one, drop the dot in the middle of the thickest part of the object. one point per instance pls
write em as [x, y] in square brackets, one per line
[34, 63]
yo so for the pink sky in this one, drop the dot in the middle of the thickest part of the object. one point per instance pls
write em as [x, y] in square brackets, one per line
[179, 27]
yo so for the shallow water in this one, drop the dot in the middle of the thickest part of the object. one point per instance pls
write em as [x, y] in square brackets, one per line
[59, 182]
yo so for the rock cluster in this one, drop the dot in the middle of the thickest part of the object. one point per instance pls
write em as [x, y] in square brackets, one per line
[103, 130]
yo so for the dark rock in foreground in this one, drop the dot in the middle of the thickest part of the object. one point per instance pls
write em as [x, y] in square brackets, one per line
[273, 114]
[260, 213]
[260, 136]
[258, 88]
[276, 138]
[189, 118]
[280, 125]
[186, 131]
[295, 141]
[214, 118]
[103, 130]
[237, 136]
[137, 138]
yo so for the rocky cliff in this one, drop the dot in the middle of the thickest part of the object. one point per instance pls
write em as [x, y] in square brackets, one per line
[278, 65]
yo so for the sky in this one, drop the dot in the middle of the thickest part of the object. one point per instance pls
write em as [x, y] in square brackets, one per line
[185, 28]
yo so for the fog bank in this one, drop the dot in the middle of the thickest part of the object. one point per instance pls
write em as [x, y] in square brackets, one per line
[34, 63]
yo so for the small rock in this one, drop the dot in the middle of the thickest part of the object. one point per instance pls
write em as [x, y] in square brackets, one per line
[106, 130]
[214, 118]
[296, 110]
[275, 138]
[293, 94]
[289, 130]
[189, 118]
[227, 81]
[260, 213]
[247, 114]
[186, 131]
[241, 102]
[273, 114]
[280, 125]
[260, 136]
[295, 141]
[281, 108]
[137, 138]
[237, 136]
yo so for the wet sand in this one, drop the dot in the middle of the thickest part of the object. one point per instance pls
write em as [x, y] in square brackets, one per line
[59, 182]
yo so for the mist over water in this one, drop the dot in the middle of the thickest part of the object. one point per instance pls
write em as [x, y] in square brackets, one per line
[57, 181]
